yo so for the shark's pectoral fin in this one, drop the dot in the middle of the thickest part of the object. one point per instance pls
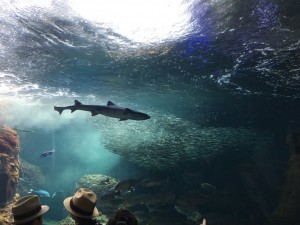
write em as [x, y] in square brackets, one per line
[94, 113]
[58, 109]
[73, 110]
[122, 119]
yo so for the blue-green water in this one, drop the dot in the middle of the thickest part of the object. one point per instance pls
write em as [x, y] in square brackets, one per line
[219, 79]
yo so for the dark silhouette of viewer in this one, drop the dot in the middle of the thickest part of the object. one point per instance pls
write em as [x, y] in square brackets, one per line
[122, 217]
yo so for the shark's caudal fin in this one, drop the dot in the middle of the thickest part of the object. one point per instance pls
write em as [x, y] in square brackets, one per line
[58, 109]
[77, 103]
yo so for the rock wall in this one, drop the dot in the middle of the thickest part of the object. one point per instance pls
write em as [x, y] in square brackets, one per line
[288, 209]
[9, 164]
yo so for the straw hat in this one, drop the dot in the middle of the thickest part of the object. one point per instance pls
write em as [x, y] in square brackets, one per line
[27, 209]
[82, 204]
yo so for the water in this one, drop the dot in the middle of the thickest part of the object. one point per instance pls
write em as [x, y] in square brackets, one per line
[219, 79]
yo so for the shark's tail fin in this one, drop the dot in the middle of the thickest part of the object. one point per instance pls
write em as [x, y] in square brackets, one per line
[58, 109]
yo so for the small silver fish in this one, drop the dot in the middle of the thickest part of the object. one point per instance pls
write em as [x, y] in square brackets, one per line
[208, 187]
[47, 153]
[125, 185]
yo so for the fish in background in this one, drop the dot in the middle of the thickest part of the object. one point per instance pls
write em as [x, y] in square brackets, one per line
[22, 130]
[58, 193]
[39, 192]
[23, 180]
[142, 216]
[130, 184]
[111, 195]
[150, 182]
[126, 185]
[209, 189]
[191, 213]
[110, 110]
[47, 153]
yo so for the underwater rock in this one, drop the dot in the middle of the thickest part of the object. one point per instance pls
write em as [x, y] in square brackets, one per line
[165, 219]
[191, 213]
[102, 219]
[192, 199]
[5, 215]
[31, 177]
[98, 183]
[9, 164]
[142, 216]
[102, 185]
[10, 170]
[288, 209]
[293, 140]
[165, 142]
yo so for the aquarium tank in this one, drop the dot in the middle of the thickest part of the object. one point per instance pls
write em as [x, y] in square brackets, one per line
[177, 110]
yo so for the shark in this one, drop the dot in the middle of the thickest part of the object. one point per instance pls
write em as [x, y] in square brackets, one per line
[110, 110]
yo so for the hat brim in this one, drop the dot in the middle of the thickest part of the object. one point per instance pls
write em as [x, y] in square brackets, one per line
[67, 206]
[44, 209]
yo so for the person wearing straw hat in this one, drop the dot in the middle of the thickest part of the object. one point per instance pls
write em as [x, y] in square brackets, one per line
[28, 211]
[82, 207]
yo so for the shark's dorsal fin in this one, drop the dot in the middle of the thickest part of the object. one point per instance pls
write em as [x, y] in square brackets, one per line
[109, 103]
[126, 111]
[77, 102]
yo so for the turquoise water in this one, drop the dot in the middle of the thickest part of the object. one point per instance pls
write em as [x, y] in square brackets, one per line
[219, 79]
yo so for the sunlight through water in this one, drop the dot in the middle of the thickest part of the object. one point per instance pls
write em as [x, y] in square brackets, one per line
[139, 21]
